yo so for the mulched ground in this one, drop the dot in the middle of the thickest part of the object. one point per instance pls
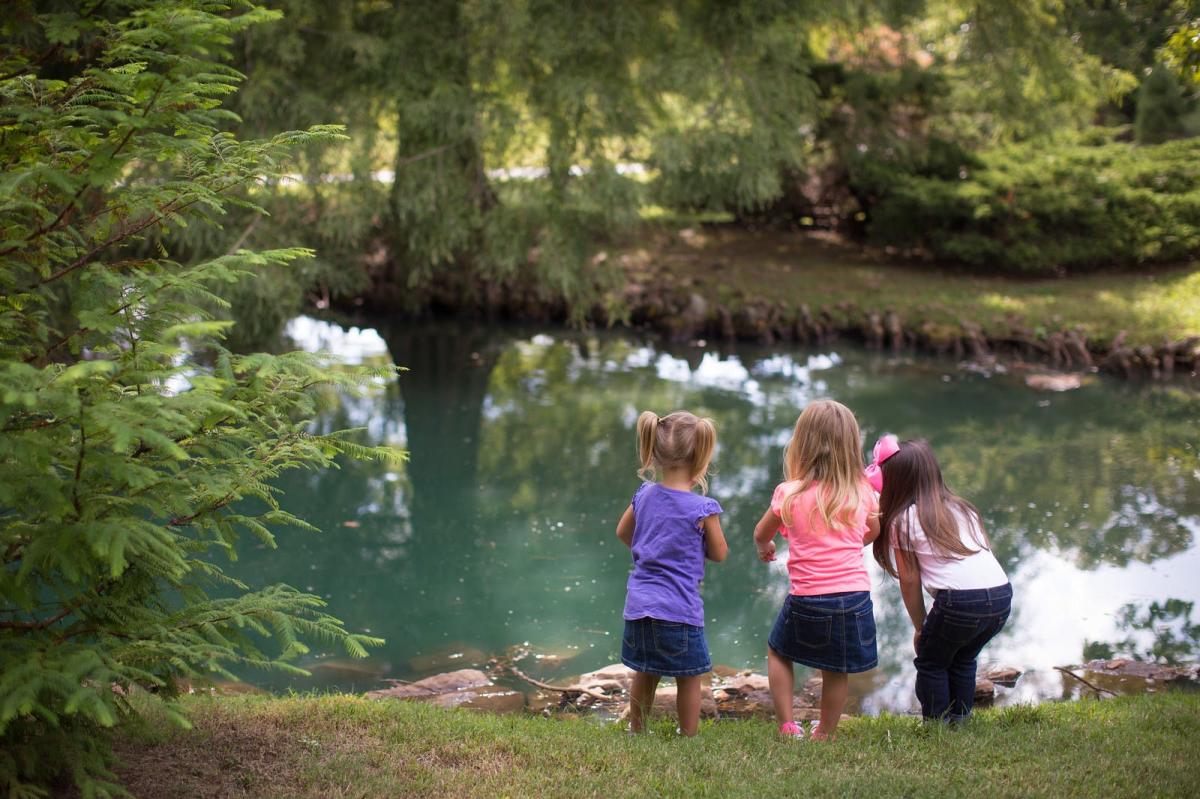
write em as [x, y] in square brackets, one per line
[217, 759]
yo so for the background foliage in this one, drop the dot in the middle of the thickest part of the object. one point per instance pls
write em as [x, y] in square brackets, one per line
[505, 147]
[508, 151]
[1024, 208]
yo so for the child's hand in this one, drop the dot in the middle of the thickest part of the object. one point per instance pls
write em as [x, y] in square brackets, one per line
[916, 641]
[766, 552]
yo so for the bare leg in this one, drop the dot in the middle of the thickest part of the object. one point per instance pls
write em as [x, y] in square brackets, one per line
[687, 703]
[834, 687]
[641, 699]
[782, 680]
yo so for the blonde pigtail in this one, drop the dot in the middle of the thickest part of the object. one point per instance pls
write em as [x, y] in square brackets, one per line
[647, 433]
[705, 441]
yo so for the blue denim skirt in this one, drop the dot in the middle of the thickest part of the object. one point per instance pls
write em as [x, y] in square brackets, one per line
[833, 632]
[666, 648]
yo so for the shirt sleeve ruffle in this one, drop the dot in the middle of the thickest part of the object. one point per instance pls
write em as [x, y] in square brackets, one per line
[708, 507]
[638, 495]
[777, 505]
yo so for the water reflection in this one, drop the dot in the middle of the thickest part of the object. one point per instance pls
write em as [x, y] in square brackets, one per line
[499, 529]
[1162, 632]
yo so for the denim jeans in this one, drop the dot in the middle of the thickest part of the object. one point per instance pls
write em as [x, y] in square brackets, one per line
[958, 626]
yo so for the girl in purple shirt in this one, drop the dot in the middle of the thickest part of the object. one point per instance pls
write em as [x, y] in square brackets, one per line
[670, 530]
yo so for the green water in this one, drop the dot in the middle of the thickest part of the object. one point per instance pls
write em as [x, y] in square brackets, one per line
[499, 531]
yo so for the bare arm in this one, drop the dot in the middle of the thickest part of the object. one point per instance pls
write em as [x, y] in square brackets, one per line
[764, 535]
[910, 587]
[872, 529]
[715, 548]
[625, 527]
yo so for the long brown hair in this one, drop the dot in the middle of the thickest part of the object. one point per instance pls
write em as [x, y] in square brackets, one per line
[677, 439]
[912, 477]
[825, 450]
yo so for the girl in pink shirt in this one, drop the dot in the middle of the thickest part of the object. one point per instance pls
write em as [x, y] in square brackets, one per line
[828, 512]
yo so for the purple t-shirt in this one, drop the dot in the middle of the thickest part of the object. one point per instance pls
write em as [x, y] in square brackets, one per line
[668, 554]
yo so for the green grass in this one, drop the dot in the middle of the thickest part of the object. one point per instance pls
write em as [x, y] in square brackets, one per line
[732, 266]
[334, 746]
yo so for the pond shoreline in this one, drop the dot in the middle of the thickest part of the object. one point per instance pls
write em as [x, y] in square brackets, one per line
[1064, 350]
[726, 692]
[724, 285]
[503, 687]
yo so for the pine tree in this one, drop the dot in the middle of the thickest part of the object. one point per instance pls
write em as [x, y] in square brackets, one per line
[135, 450]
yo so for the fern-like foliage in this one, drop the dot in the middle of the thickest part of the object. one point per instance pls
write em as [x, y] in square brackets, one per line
[129, 435]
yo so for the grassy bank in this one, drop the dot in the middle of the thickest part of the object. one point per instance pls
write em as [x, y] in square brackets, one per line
[341, 746]
[755, 285]
[727, 263]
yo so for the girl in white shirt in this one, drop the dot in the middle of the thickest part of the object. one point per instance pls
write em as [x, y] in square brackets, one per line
[932, 538]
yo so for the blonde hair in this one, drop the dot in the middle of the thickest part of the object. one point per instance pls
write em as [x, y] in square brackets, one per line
[677, 439]
[825, 451]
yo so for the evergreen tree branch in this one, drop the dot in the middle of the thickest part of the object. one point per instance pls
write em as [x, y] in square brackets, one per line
[163, 212]
[36, 625]
[75, 501]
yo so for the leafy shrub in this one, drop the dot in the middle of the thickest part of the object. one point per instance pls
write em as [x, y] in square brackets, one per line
[1036, 209]
[129, 435]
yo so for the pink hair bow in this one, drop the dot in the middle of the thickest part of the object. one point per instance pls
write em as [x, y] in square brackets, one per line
[885, 447]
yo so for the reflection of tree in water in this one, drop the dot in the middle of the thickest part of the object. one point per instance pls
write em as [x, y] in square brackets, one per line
[1161, 632]
[449, 365]
[385, 529]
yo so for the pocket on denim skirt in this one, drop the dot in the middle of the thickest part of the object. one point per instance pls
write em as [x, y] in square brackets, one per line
[629, 638]
[811, 631]
[865, 622]
[670, 638]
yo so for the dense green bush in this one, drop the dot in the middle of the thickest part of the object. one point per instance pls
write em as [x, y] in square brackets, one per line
[129, 434]
[1039, 209]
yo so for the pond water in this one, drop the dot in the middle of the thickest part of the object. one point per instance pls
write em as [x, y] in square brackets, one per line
[499, 530]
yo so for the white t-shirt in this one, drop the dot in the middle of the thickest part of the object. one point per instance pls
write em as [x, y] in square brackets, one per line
[978, 570]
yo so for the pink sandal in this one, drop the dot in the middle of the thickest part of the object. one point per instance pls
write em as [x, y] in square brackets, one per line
[791, 730]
